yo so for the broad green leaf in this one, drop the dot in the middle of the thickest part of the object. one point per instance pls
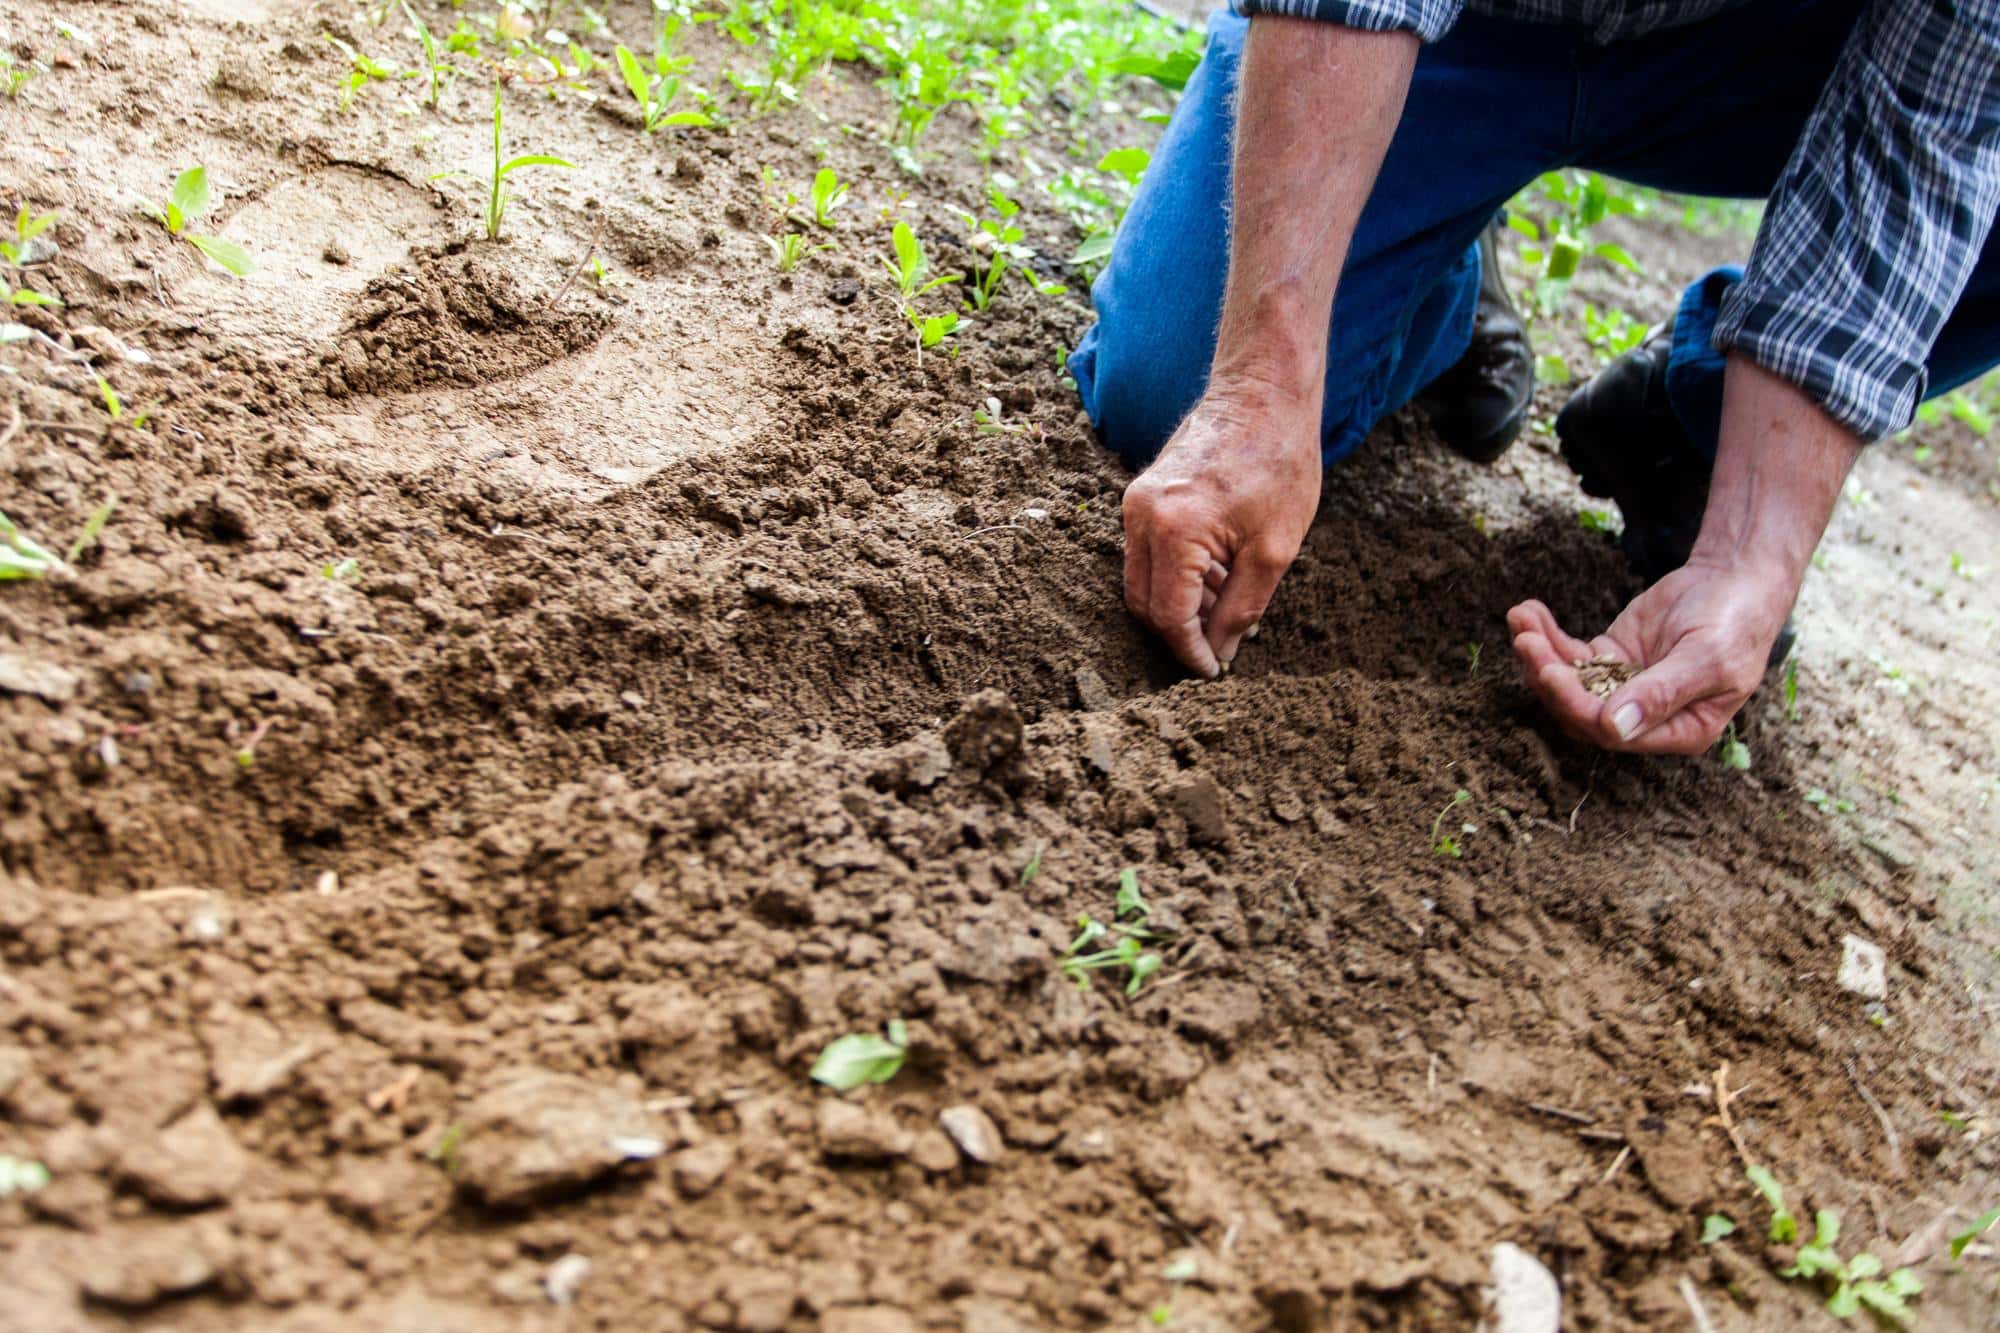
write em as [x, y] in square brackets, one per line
[860, 1057]
[635, 78]
[228, 254]
[1883, 1300]
[532, 160]
[694, 118]
[189, 197]
[1863, 1265]
[1714, 1227]
[1093, 249]
[1127, 162]
[909, 251]
[1844, 1303]
[1169, 71]
[1617, 254]
[27, 226]
[1524, 225]
[1982, 1224]
[1826, 1228]
[1142, 967]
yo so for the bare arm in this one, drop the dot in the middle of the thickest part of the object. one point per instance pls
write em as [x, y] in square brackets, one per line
[1704, 631]
[1212, 526]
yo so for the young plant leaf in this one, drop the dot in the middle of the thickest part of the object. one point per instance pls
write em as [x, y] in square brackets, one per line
[1784, 1227]
[1130, 901]
[189, 199]
[227, 254]
[1980, 1226]
[861, 1057]
[1714, 1227]
[92, 526]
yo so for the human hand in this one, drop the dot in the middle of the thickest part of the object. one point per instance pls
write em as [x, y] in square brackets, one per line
[1216, 521]
[1699, 637]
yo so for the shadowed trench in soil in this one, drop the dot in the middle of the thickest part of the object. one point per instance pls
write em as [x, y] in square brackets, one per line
[708, 684]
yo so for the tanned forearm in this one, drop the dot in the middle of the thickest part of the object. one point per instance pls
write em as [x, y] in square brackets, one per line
[1318, 106]
[1779, 468]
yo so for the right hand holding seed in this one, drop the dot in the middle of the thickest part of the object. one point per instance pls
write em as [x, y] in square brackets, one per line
[1216, 521]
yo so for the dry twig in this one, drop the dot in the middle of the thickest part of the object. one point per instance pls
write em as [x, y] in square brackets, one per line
[1724, 1099]
[1882, 1116]
[596, 234]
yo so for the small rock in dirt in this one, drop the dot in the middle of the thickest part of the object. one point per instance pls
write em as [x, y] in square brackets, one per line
[987, 730]
[565, 1275]
[842, 291]
[699, 1169]
[536, 1134]
[140, 1272]
[1524, 1296]
[48, 682]
[868, 1319]
[335, 253]
[192, 1163]
[860, 1133]
[1092, 695]
[1199, 801]
[1864, 968]
[1097, 747]
[207, 923]
[974, 1132]
[1086, 1147]
[934, 1151]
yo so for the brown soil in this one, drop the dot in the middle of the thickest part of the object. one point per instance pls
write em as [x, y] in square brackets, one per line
[376, 947]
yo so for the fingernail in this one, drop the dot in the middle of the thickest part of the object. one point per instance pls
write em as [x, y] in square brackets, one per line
[1625, 721]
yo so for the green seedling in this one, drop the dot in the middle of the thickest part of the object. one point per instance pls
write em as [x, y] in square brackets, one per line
[787, 249]
[1792, 689]
[862, 1057]
[341, 571]
[1033, 867]
[1826, 804]
[1982, 1224]
[435, 70]
[362, 70]
[1599, 520]
[910, 266]
[1611, 333]
[931, 329]
[19, 252]
[1557, 245]
[1001, 236]
[656, 89]
[1714, 1227]
[188, 200]
[1127, 163]
[828, 193]
[444, 1153]
[1448, 844]
[1131, 936]
[14, 76]
[1472, 654]
[1731, 750]
[21, 1175]
[1858, 1282]
[21, 557]
[246, 753]
[496, 192]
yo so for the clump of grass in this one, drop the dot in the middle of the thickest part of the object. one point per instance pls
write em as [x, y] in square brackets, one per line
[187, 202]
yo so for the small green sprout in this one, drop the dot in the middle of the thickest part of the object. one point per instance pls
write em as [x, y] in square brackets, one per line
[445, 1151]
[437, 70]
[362, 70]
[1731, 750]
[1982, 1224]
[931, 329]
[18, 252]
[187, 202]
[1446, 844]
[1714, 1227]
[787, 249]
[862, 1057]
[14, 76]
[656, 90]
[1599, 520]
[496, 196]
[22, 557]
[828, 193]
[1826, 804]
[1033, 867]
[341, 571]
[1784, 1227]
[21, 1175]
[1792, 688]
[1857, 1281]
[1472, 653]
[911, 266]
[1128, 952]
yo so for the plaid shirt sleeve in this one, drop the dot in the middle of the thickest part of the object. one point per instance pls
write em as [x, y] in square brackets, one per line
[1428, 19]
[1880, 215]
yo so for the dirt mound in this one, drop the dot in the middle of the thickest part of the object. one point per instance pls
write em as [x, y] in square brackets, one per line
[449, 317]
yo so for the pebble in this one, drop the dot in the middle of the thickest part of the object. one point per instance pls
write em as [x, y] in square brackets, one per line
[565, 1275]
[934, 1151]
[1864, 968]
[1091, 692]
[699, 1169]
[974, 1132]
[1524, 1295]
[850, 1131]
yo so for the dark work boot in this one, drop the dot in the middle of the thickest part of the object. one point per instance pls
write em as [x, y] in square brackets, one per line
[1480, 404]
[1621, 437]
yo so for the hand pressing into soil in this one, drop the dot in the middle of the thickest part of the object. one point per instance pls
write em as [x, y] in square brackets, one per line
[1679, 661]
[1216, 521]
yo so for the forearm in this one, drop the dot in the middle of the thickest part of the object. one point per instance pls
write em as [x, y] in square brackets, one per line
[1779, 469]
[1318, 107]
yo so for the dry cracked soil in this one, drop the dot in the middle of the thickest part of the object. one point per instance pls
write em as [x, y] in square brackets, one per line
[443, 941]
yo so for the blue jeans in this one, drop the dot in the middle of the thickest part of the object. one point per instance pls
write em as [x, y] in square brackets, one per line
[1710, 109]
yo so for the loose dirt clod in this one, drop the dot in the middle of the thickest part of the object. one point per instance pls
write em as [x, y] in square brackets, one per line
[537, 1134]
[192, 1163]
